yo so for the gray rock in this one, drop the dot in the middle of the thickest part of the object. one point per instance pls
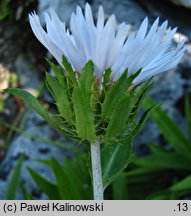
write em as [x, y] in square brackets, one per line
[28, 76]
[63, 8]
[125, 10]
[185, 3]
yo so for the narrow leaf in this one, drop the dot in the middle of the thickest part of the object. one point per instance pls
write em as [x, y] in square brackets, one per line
[120, 188]
[59, 74]
[116, 92]
[144, 117]
[32, 102]
[84, 121]
[26, 194]
[167, 160]
[86, 79]
[45, 186]
[14, 180]
[188, 115]
[69, 70]
[184, 184]
[70, 184]
[119, 117]
[169, 129]
[106, 78]
[113, 95]
[60, 96]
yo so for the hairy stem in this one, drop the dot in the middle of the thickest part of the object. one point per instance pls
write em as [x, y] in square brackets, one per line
[96, 170]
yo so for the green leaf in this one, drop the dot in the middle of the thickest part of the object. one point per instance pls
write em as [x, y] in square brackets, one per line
[144, 117]
[14, 180]
[137, 173]
[32, 102]
[184, 184]
[59, 74]
[84, 121]
[169, 129]
[106, 78]
[120, 188]
[5, 9]
[114, 159]
[45, 186]
[160, 195]
[165, 160]
[119, 117]
[60, 96]
[114, 95]
[137, 98]
[86, 79]
[26, 194]
[70, 180]
[69, 70]
[188, 115]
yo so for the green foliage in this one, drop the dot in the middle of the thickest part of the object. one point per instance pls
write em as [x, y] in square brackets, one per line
[30, 100]
[60, 96]
[86, 112]
[4, 9]
[114, 159]
[47, 187]
[163, 174]
[1, 103]
[71, 180]
[120, 188]
[89, 109]
[169, 129]
[188, 116]
[81, 96]
[14, 179]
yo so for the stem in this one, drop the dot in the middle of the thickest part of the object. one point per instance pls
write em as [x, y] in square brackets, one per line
[96, 170]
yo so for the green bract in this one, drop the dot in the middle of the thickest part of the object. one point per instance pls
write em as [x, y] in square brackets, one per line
[88, 110]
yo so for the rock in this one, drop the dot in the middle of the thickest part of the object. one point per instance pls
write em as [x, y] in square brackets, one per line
[28, 76]
[125, 10]
[185, 3]
[33, 147]
[63, 8]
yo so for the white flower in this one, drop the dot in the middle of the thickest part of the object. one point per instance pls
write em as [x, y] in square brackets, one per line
[108, 46]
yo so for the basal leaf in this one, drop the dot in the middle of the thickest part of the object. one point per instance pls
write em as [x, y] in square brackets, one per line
[188, 115]
[14, 180]
[45, 186]
[169, 129]
[166, 160]
[70, 180]
[26, 194]
[184, 184]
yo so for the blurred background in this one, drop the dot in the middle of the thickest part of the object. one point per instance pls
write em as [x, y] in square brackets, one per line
[23, 65]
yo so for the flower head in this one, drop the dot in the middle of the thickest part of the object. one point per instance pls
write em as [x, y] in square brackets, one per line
[109, 45]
